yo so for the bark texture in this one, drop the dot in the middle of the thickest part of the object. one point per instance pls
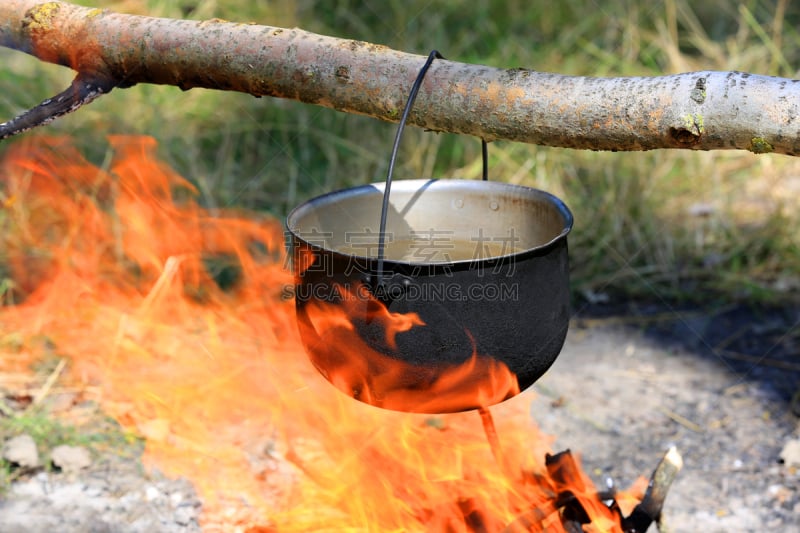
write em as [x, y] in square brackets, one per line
[698, 110]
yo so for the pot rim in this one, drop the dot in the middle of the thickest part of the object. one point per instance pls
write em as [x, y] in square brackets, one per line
[417, 185]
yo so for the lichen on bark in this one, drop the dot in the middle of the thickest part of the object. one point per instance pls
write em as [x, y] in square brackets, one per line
[41, 16]
[759, 145]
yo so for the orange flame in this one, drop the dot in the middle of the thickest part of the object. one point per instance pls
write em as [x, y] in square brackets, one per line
[361, 371]
[114, 267]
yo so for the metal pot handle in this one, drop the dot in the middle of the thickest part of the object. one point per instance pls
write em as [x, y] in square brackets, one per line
[387, 188]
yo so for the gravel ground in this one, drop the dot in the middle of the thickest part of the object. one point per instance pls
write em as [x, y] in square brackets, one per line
[615, 396]
[114, 495]
[622, 400]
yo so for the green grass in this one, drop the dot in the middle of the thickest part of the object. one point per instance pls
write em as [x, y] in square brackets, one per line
[635, 234]
[45, 430]
[101, 434]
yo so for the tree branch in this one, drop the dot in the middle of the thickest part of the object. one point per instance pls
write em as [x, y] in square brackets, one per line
[699, 110]
[81, 91]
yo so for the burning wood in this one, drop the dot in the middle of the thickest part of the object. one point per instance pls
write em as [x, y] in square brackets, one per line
[491, 436]
[110, 268]
[649, 509]
[578, 512]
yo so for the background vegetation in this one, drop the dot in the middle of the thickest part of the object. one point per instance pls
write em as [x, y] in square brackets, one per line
[662, 225]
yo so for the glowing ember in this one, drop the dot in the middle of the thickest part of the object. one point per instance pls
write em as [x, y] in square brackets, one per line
[115, 267]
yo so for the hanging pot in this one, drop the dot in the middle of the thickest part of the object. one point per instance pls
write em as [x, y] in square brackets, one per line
[468, 306]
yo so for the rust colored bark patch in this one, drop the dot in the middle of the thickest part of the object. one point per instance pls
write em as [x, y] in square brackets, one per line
[41, 24]
[684, 137]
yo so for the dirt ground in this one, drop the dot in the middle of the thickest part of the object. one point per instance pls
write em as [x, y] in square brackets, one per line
[621, 396]
[622, 392]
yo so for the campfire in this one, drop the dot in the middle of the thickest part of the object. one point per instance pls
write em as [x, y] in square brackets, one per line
[176, 319]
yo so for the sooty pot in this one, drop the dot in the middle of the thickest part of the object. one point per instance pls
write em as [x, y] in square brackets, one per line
[469, 306]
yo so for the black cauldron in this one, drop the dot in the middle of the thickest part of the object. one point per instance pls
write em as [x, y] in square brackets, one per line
[469, 306]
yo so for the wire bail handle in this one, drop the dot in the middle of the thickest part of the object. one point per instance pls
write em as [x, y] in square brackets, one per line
[387, 188]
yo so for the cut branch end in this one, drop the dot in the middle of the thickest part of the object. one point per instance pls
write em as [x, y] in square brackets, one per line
[82, 90]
